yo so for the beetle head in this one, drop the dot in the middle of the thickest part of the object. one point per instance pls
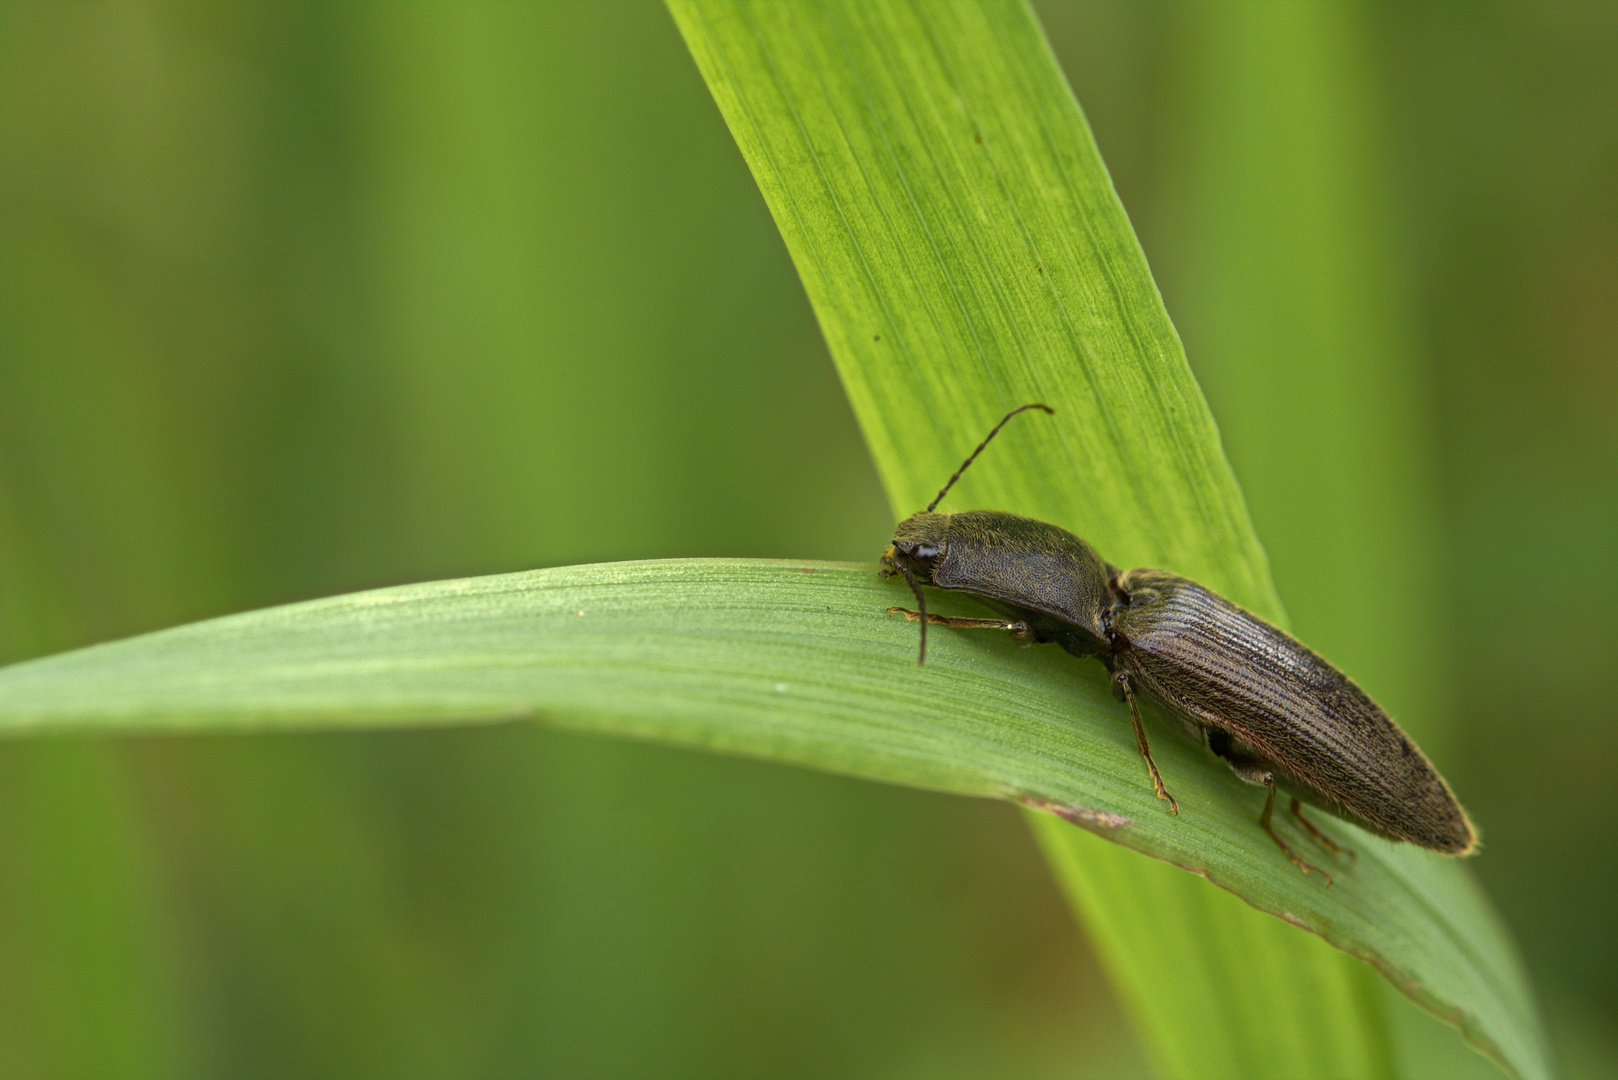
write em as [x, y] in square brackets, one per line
[921, 540]
[918, 543]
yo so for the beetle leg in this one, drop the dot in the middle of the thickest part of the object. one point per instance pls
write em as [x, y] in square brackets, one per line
[1325, 841]
[1120, 680]
[1019, 630]
[955, 623]
[1264, 821]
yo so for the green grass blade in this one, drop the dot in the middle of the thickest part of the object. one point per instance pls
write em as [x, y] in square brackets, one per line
[799, 663]
[960, 240]
[1197, 937]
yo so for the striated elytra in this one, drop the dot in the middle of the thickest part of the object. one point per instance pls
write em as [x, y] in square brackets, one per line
[1277, 713]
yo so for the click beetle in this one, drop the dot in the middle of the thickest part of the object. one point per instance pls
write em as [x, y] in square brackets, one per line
[1278, 714]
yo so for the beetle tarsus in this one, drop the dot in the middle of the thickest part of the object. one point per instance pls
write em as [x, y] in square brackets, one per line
[1264, 821]
[1121, 682]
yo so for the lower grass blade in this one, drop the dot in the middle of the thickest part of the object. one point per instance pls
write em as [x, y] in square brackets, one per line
[801, 663]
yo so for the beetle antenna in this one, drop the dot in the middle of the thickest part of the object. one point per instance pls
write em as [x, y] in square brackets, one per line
[921, 602]
[971, 458]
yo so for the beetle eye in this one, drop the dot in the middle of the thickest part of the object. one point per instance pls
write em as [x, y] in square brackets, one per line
[921, 556]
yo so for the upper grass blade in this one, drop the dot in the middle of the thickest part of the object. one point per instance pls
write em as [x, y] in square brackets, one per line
[960, 239]
[958, 235]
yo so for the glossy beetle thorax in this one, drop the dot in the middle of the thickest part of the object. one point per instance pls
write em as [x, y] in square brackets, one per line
[1011, 560]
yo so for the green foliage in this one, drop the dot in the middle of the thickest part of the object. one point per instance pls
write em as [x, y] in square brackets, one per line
[972, 335]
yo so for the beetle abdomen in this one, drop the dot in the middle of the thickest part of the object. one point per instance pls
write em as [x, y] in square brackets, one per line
[1225, 668]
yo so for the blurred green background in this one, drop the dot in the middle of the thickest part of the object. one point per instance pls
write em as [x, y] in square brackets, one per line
[301, 298]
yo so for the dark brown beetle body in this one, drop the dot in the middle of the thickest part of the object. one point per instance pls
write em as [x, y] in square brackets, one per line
[1276, 712]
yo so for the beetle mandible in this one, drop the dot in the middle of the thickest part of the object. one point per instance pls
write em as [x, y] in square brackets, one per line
[1277, 713]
